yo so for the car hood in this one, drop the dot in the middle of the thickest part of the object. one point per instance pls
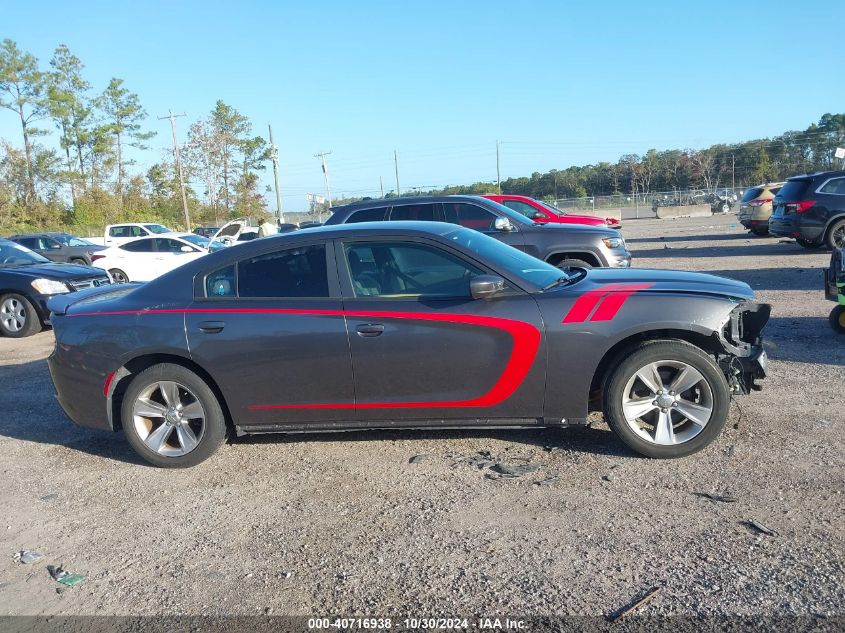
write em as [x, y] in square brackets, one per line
[677, 281]
[57, 271]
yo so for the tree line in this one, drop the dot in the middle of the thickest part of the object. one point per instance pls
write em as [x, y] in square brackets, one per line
[89, 181]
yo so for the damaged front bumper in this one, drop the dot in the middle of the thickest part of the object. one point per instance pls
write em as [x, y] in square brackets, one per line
[744, 359]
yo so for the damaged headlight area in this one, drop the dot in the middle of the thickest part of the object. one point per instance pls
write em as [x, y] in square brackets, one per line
[744, 359]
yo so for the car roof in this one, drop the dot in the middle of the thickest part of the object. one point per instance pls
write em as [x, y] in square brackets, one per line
[389, 202]
[816, 174]
[355, 229]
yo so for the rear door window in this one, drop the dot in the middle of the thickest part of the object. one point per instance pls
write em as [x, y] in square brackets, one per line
[420, 212]
[139, 246]
[29, 242]
[290, 273]
[375, 214]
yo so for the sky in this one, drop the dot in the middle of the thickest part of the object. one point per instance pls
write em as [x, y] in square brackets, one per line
[558, 83]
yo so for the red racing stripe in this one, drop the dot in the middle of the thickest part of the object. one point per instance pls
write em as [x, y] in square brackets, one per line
[615, 300]
[587, 302]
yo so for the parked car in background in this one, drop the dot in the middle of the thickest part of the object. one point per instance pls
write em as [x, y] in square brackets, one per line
[28, 280]
[287, 227]
[309, 224]
[404, 324]
[206, 231]
[540, 211]
[58, 247]
[119, 233]
[755, 208]
[811, 208]
[561, 245]
[148, 257]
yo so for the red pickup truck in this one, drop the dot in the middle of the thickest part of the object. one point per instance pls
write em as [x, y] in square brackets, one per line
[543, 212]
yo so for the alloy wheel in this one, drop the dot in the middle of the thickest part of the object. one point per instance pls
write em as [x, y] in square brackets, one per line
[169, 418]
[667, 402]
[118, 276]
[13, 315]
[838, 237]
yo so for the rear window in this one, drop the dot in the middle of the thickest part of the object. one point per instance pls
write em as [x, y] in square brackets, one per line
[368, 215]
[752, 193]
[794, 190]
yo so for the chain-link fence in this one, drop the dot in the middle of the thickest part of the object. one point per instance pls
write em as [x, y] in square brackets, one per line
[644, 205]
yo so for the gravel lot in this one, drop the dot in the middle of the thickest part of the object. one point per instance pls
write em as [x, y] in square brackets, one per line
[344, 524]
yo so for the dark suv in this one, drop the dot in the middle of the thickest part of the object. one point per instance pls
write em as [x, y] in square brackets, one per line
[559, 244]
[811, 208]
[58, 247]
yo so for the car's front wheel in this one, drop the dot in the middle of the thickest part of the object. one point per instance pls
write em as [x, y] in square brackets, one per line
[171, 417]
[18, 317]
[666, 399]
[118, 276]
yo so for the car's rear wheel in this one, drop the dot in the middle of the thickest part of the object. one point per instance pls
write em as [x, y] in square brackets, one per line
[18, 317]
[837, 319]
[171, 417]
[118, 276]
[836, 235]
[666, 399]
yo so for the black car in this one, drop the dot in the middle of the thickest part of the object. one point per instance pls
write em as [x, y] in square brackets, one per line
[58, 247]
[561, 245]
[811, 208]
[28, 280]
[403, 324]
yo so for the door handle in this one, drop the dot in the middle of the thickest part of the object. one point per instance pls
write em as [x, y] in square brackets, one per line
[212, 327]
[370, 329]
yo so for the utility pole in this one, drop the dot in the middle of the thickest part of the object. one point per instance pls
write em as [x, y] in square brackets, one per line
[274, 155]
[396, 166]
[733, 172]
[172, 118]
[322, 157]
[498, 175]
[381, 184]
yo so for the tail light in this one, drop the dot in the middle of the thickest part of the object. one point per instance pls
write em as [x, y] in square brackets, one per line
[759, 203]
[96, 257]
[801, 206]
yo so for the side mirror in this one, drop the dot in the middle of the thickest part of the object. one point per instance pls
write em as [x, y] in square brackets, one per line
[486, 286]
[538, 215]
[187, 249]
[503, 224]
[54, 246]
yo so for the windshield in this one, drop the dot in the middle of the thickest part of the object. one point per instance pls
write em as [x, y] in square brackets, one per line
[70, 240]
[203, 242]
[12, 254]
[551, 208]
[157, 228]
[516, 262]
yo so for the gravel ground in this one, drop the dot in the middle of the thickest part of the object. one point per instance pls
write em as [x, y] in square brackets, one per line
[344, 524]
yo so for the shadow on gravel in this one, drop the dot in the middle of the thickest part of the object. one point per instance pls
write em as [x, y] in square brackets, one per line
[576, 439]
[759, 249]
[791, 278]
[714, 237]
[32, 414]
[804, 340]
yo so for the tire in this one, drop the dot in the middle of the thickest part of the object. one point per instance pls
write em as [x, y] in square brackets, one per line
[836, 235]
[18, 317]
[118, 276]
[671, 357]
[837, 319]
[163, 438]
[79, 261]
[568, 263]
[725, 208]
[807, 244]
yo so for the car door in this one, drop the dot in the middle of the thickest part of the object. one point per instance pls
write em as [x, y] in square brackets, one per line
[136, 258]
[423, 349]
[52, 249]
[476, 217]
[169, 254]
[270, 329]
